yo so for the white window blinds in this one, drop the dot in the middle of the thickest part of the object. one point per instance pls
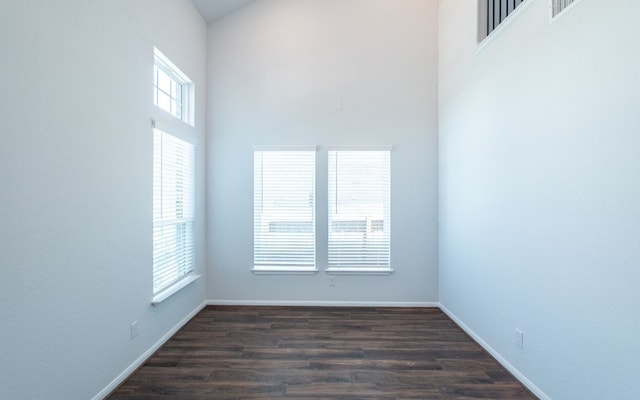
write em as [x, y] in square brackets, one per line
[284, 209]
[173, 209]
[359, 209]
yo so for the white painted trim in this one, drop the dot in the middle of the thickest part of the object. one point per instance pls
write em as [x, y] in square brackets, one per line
[173, 289]
[518, 375]
[145, 356]
[315, 303]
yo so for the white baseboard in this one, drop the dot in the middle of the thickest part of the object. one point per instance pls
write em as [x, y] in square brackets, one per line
[519, 376]
[305, 303]
[141, 360]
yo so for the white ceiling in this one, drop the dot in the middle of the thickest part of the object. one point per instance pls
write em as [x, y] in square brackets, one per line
[211, 10]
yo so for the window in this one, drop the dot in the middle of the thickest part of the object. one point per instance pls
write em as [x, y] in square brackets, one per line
[359, 210]
[172, 90]
[284, 209]
[173, 211]
[492, 13]
[558, 7]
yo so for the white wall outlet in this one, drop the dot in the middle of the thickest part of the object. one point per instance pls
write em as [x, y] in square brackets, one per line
[332, 281]
[519, 338]
[134, 329]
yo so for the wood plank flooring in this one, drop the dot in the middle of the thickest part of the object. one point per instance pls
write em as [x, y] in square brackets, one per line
[320, 353]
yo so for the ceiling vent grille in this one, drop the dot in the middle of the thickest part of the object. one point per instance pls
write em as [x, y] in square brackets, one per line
[559, 6]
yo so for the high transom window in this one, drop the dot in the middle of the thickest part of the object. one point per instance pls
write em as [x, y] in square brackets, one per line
[172, 89]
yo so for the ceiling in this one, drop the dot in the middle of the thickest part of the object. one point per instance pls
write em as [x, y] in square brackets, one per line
[212, 10]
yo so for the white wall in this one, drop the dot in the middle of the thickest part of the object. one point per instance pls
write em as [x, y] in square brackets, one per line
[75, 197]
[539, 205]
[539, 195]
[276, 68]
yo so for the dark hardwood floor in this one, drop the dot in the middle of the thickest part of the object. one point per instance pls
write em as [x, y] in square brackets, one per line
[321, 353]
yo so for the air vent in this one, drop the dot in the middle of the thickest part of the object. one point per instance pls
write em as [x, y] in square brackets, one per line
[559, 6]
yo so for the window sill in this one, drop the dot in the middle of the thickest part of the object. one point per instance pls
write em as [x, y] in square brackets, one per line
[359, 271]
[173, 289]
[284, 271]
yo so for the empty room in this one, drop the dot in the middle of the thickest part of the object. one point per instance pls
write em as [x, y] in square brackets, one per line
[319, 199]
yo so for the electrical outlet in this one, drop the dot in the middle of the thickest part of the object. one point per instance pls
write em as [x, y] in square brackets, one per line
[134, 329]
[332, 281]
[519, 338]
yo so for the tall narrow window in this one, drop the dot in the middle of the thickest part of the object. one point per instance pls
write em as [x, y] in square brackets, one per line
[173, 210]
[284, 209]
[359, 210]
[173, 91]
